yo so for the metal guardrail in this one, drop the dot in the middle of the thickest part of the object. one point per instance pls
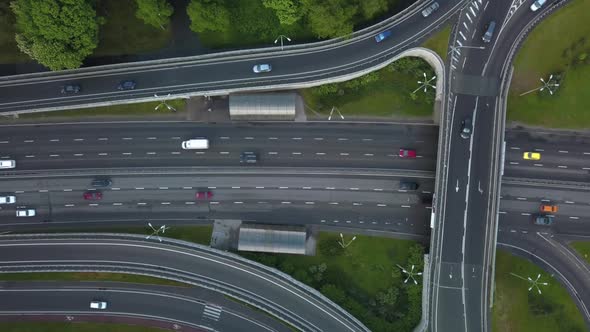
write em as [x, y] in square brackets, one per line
[202, 170]
[193, 246]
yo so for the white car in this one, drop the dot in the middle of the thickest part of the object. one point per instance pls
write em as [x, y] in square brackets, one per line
[101, 305]
[262, 68]
[537, 4]
[25, 212]
[7, 164]
[7, 199]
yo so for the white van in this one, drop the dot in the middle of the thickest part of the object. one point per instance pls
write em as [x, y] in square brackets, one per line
[7, 164]
[196, 144]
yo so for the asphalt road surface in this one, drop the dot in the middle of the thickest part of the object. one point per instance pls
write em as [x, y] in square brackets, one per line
[159, 144]
[184, 307]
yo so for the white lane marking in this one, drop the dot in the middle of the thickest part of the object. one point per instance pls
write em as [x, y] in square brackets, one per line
[296, 138]
[405, 206]
[54, 155]
[513, 163]
[514, 148]
[78, 139]
[273, 138]
[462, 35]
[320, 153]
[249, 137]
[214, 203]
[344, 153]
[115, 188]
[502, 212]
[211, 187]
[165, 203]
[262, 202]
[273, 152]
[285, 202]
[163, 188]
[525, 214]
[367, 139]
[382, 205]
[378, 189]
[78, 154]
[30, 156]
[223, 152]
[141, 203]
[127, 138]
[67, 189]
[306, 187]
[343, 139]
[103, 154]
[330, 188]
[69, 205]
[333, 203]
[426, 192]
[369, 154]
[139, 188]
[117, 204]
[296, 153]
[200, 152]
[283, 187]
[152, 138]
[238, 202]
[224, 137]
[357, 204]
[93, 204]
[189, 203]
[103, 138]
[570, 202]
[586, 168]
[563, 151]
[54, 140]
[575, 218]
[4, 142]
[353, 188]
[259, 187]
[521, 198]
[318, 138]
[150, 153]
[235, 187]
[586, 153]
[310, 203]
[127, 153]
[19, 192]
[187, 187]
[561, 166]
[175, 152]
[29, 141]
[540, 150]
[538, 165]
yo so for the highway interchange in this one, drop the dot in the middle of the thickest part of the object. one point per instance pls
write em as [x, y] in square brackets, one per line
[355, 194]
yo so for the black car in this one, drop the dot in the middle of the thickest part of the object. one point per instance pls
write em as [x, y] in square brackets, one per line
[248, 158]
[408, 185]
[126, 85]
[101, 182]
[466, 128]
[70, 89]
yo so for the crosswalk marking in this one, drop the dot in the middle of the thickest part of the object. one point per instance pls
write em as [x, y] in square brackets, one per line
[212, 312]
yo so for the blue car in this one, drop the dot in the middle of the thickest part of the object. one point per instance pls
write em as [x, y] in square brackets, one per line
[379, 38]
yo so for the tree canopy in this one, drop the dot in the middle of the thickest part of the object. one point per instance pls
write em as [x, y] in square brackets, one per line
[287, 11]
[212, 15]
[59, 34]
[330, 18]
[154, 12]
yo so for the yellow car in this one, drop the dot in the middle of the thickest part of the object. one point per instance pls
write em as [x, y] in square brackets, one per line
[531, 156]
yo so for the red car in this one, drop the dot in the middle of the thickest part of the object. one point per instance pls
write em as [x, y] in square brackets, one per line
[93, 195]
[203, 195]
[407, 153]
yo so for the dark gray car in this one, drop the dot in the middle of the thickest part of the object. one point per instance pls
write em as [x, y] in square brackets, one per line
[102, 182]
[466, 128]
[70, 89]
[126, 85]
[248, 158]
[408, 185]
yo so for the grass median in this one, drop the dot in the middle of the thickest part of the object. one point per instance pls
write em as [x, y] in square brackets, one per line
[518, 309]
[583, 248]
[73, 327]
[559, 45]
[439, 42]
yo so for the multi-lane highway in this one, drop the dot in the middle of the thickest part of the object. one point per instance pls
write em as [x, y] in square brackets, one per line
[177, 308]
[227, 72]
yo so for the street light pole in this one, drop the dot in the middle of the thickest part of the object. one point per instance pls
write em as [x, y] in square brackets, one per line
[156, 232]
[280, 37]
[425, 84]
[344, 245]
[549, 85]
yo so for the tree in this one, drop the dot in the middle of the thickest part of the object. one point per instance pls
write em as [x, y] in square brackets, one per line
[370, 8]
[288, 11]
[154, 12]
[211, 15]
[330, 18]
[59, 34]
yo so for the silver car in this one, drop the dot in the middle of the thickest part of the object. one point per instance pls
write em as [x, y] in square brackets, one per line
[430, 9]
[7, 199]
[25, 212]
[262, 68]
